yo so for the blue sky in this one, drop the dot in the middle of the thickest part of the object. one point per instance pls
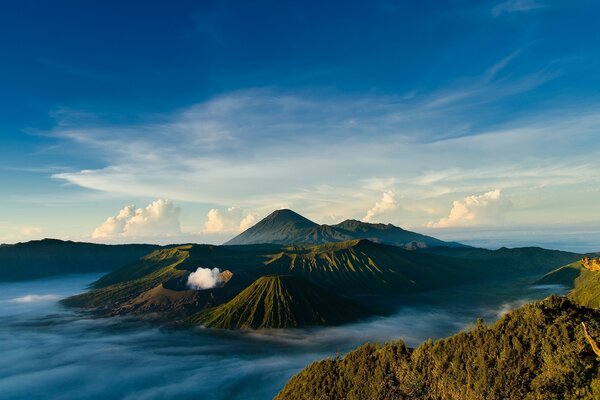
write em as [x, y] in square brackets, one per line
[151, 121]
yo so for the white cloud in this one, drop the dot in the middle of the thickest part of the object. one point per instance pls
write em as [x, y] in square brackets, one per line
[204, 278]
[159, 219]
[231, 221]
[35, 298]
[475, 210]
[324, 155]
[387, 203]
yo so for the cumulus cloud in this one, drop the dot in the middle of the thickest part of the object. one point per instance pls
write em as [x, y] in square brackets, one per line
[387, 203]
[204, 278]
[231, 221]
[159, 218]
[475, 210]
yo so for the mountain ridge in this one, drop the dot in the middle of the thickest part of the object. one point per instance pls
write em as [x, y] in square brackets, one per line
[285, 226]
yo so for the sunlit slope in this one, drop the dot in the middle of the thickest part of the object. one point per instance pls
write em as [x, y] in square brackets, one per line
[585, 284]
[587, 289]
[280, 302]
[353, 267]
[536, 352]
[361, 266]
[564, 275]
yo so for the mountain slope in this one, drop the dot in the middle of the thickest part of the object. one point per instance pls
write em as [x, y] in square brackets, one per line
[280, 302]
[587, 289]
[48, 257]
[288, 227]
[539, 351]
[526, 260]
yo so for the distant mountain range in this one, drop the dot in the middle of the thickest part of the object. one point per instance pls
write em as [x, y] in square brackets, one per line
[287, 227]
[48, 257]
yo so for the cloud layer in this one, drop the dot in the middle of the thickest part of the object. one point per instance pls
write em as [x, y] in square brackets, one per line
[159, 218]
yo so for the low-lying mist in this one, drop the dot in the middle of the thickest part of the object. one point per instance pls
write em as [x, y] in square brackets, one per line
[51, 352]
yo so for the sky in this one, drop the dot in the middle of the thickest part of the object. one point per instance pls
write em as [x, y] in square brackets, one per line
[173, 122]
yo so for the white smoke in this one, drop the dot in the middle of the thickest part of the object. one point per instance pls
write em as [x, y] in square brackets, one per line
[204, 278]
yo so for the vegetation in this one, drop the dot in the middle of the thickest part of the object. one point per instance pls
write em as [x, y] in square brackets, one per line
[539, 351]
[280, 302]
[564, 275]
[587, 289]
[48, 257]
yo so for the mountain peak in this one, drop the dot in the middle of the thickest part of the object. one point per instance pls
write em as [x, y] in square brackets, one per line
[287, 215]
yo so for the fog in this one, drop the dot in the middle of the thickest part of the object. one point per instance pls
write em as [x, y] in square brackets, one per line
[47, 351]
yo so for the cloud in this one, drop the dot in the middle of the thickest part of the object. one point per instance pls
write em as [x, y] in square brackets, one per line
[475, 210]
[159, 218]
[35, 298]
[386, 204]
[27, 231]
[516, 6]
[231, 221]
[204, 278]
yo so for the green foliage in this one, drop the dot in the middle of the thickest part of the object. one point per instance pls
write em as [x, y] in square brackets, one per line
[280, 302]
[536, 352]
[587, 289]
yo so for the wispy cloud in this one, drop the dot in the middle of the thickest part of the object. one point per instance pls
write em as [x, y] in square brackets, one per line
[330, 155]
[516, 6]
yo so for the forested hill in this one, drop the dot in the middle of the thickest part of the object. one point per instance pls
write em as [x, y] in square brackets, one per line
[539, 351]
[48, 257]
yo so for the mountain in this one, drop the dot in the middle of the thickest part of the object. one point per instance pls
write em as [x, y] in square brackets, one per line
[48, 257]
[540, 351]
[275, 301]
[351, 268]
[368, 272]
[524, 260]
[289, 227]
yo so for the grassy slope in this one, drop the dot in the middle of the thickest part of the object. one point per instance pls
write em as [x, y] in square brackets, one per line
[536, 352]
[280, 302]
[361, 266]
[352, 267]
[564, 275]
[125, 284]
[587, 289]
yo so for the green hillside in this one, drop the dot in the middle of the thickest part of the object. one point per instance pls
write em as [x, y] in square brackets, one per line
[364, 267]
[587, 289]
[351, 268]
[525, 260]
[49, 257]
[280, 302]
[536, 352]
[564, 275]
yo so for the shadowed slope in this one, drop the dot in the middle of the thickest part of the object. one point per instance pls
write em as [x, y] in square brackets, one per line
[280, 302]
[288, 227]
